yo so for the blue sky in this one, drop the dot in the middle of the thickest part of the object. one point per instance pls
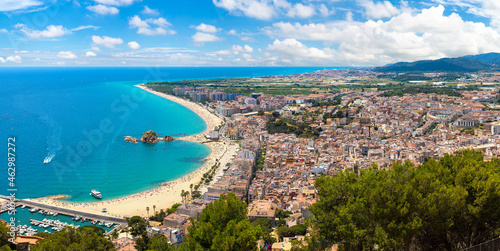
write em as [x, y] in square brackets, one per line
[243, 32]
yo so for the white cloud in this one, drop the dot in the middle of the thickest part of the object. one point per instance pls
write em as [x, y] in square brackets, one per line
[379, 9]
[144, 26]
[248, 48]
[107, 41]
[223, 52]
[248, 57]
[349, 16]
[117, 2]
[207, 28]
[232, 32]
[83, 27]
[95, 48]
[485, 8]
[90, 54]
[149, 11]
[16, 5]
[4, 31]
[301, 11]
[406, 37]
[247, 39]
[103, 9]
[260, 9]
[294, 48]
[325, 11]
[133, 45]
[52, 31]
[66, 55]
[14, 59]
[236, 49]
[201, 37]
[266, 9]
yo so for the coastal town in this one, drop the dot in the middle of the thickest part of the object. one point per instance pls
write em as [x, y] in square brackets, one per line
[250, 125]
[275, 168]
[268, 149]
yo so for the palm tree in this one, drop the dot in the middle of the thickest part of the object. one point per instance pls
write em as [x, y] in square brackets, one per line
[114, 235]
[182, 194]
[191, 187]
[154, 209]
[197, 187]
[147, 209]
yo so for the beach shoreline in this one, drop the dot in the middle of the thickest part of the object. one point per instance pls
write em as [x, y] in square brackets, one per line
[168, 193]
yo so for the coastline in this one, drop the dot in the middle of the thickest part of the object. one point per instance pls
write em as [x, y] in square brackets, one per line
[168, 193]
[210, 119]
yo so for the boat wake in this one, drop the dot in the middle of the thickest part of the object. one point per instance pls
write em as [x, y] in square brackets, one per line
[49, 158]
[53, 137]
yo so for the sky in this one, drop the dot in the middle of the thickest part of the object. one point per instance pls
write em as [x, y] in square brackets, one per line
[330, 33]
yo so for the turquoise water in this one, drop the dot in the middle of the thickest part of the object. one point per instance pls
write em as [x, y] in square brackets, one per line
[79, 118]
[23, 217]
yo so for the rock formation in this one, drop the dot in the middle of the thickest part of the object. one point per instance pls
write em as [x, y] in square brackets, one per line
[131, 139]
[168, 138]
[149, 137]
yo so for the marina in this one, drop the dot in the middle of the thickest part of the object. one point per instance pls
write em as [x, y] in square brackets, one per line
[32, 218]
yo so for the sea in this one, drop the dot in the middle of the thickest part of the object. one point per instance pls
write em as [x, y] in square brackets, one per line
[78, 118]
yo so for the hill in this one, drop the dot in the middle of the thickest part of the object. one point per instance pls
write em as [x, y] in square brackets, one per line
[473, 63]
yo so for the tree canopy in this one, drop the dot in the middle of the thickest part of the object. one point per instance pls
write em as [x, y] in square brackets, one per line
[223, 225]
[446, 204]
[74, 239]
[290, 126]
[137, 225]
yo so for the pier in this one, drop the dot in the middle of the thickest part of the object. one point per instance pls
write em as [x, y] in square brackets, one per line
[47, 223]
[118, 222]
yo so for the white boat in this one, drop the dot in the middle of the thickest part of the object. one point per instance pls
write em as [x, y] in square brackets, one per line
[34, 209]
[96, 194]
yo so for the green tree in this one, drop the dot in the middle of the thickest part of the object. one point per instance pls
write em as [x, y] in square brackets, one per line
[137, 225]
[142, 243]
[173, 209]
[4, 234]
[98, 230]
[5, 247]
[223, 225]
[74, 239]
[264, 224]
[147, 210]
[283, 214]
[449, 204]
[160, 243]
[299, 229]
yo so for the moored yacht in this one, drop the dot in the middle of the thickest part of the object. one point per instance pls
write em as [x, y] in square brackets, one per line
[96, 194]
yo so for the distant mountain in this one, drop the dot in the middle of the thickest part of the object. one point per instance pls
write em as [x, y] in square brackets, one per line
[482, 62]
[492, 57]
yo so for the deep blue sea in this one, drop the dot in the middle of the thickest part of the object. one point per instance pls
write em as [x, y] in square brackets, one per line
[79, 117]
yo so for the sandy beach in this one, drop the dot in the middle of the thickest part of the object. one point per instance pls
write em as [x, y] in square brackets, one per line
[168, 193]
